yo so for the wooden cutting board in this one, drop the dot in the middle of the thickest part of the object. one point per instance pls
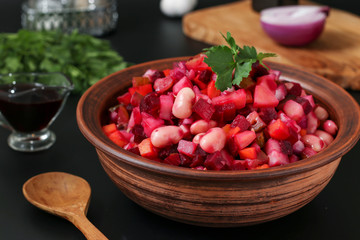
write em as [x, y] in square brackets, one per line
[335, 55]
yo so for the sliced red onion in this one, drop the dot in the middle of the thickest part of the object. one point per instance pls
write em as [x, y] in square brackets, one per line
[294, 25]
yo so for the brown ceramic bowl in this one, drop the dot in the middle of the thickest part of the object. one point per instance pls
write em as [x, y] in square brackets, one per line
[218, 198]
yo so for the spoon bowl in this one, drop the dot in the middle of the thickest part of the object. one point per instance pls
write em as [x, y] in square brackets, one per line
[64, 195]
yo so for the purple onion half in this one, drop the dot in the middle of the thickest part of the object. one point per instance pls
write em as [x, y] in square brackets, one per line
[294, 25]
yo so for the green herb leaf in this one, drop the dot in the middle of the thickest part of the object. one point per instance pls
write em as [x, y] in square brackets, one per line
[225, 61]
[83, 58]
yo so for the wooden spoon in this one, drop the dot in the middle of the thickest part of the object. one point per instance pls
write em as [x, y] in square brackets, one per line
[64, 195]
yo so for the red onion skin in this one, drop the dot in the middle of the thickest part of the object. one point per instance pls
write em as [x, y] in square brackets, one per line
[297, 34]
[294, 35]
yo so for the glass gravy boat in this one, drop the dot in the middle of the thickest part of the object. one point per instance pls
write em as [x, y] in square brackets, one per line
[29, 104]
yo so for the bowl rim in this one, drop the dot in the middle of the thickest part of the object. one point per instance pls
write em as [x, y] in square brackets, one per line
[343, 142]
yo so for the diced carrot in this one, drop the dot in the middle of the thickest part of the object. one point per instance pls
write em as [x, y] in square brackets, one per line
[124, 99]
[144, 89]
[303, 132]
[110, 128]
[226, 128]
[198, 82]
[212, 91]
[248, 153]
[264, 166]
[140, 81]
[147, 149]
[232, 132]
[166, 72]
[118, 138]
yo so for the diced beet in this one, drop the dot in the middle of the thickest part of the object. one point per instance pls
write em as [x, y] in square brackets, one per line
[136, 99]
[286, 147]
[268, 114]
[293, 158]
[113, 116]
[166, 104]
[310, 99]
[124, 99]
[238, 165]
[186, 147]
[166, 151]
[153, 74]
[134, 150]
[302, 122]
[139, 133]
[205, 75]
[178, 71]
[218, 161]
[182, 83]
[161, 85]
[277, 159]
[225, 112]
[204, 109]
[298, 147]
[214, 161]
[150, 123]
[294, 136]
[256, 122]
[197, 161]
[173, 159]
[244, 139]
[200, 152]
[258, 70]
[295, 89]
[264, 97]
[150, 104]
[241, 122]
[305, 104]
[293, 110]
[185, 161]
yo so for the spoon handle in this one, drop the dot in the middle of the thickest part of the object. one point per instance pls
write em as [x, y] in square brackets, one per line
[87, 228]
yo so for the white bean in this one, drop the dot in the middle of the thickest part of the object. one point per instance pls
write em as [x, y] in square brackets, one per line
[200, 126]
[197, 138]
[214, 140]
[166, 135]
[182, 107]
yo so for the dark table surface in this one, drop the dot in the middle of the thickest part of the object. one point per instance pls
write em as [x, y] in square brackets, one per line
[144, 34]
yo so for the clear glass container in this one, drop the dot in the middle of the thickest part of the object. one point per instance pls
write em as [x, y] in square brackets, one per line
[94, 17]
[29, 104]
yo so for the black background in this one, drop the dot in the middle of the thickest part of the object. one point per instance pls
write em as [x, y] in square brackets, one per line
[144, 34]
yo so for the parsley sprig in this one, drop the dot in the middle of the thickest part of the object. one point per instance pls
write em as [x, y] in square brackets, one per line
[223, 60]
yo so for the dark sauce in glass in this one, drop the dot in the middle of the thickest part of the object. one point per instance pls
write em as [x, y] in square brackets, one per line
[30, 111]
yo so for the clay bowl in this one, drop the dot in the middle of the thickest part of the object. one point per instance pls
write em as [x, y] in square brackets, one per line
[218, 198]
